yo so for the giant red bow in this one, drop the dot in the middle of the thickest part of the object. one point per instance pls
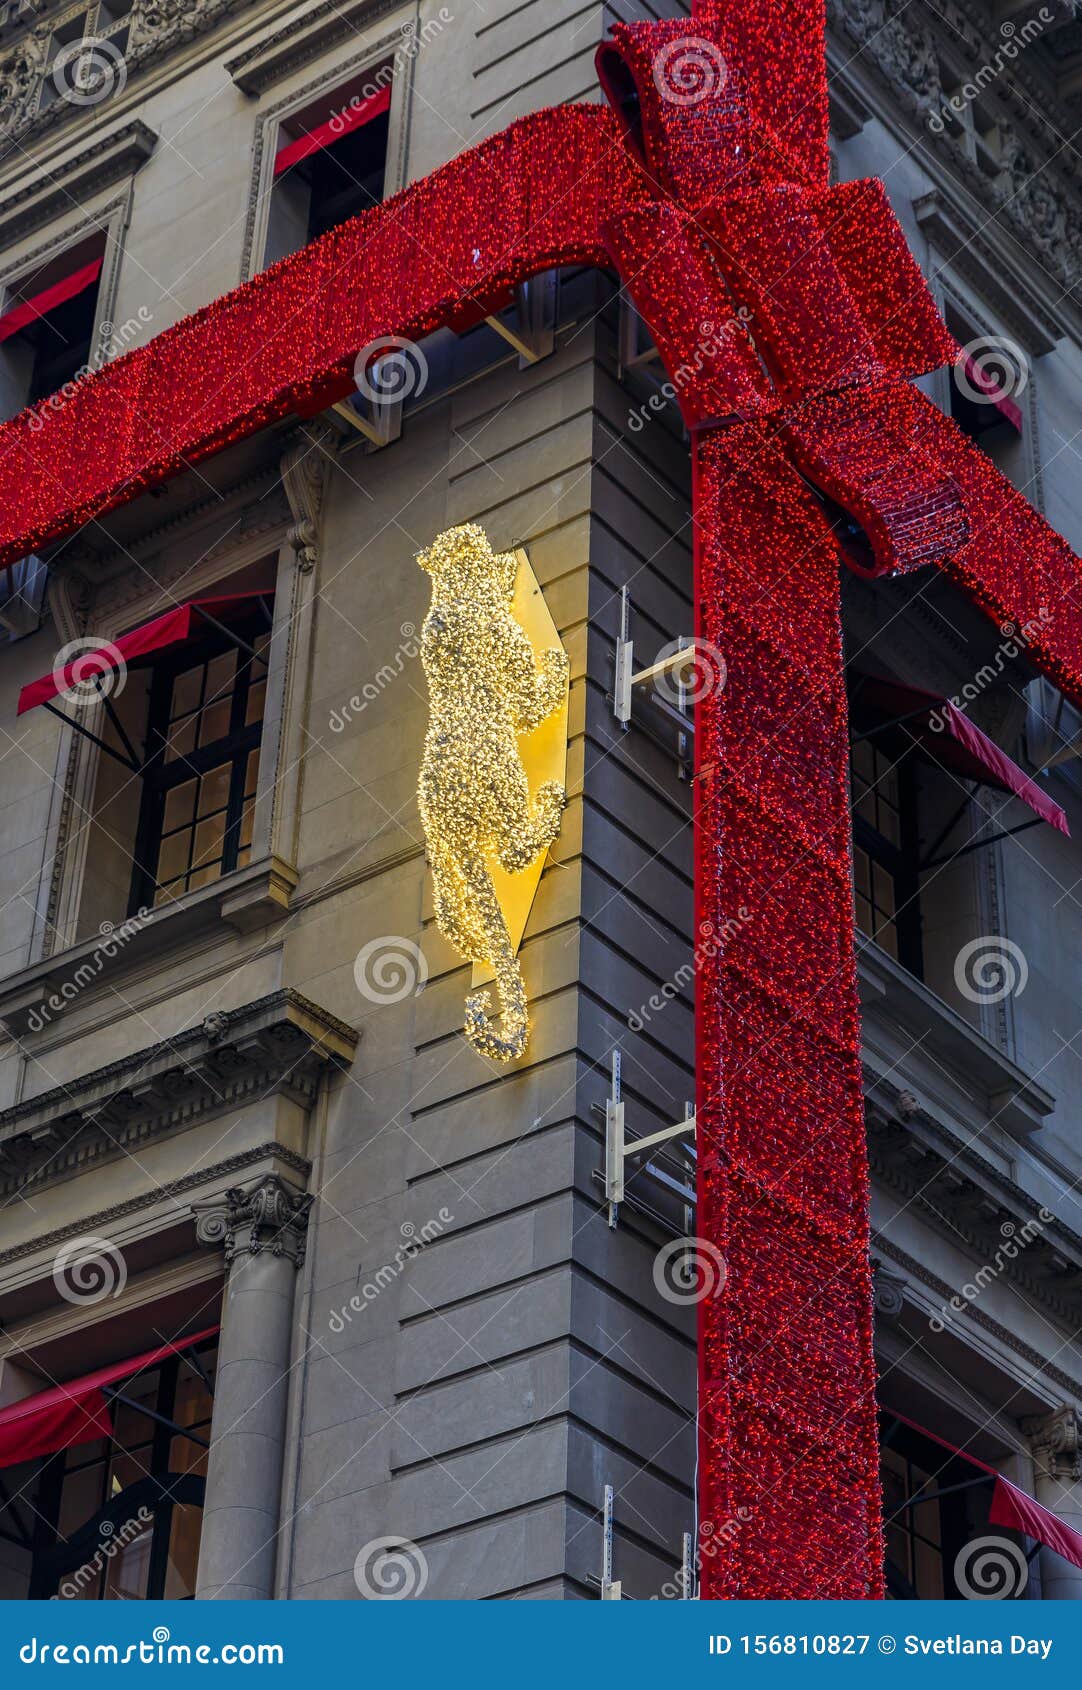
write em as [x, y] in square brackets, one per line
[791, 317]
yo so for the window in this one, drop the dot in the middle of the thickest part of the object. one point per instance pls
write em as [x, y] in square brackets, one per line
[330, 163]
[139, 1492]
[986, 388]
[885, 883]
[202, 758]
[47, 326]
[933, 1505]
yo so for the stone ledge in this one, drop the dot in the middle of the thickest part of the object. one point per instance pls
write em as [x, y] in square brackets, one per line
[302, 39]
[36, 997]
[41, 194]
[276, 1045]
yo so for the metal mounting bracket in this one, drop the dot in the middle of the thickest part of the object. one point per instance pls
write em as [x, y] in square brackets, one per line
[531, 328]
[619, 1150]
[672, 667]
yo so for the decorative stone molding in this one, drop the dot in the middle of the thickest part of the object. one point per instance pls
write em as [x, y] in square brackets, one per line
[959, 232]
[153, 29]
[1057, 1443]
[39, 195]
[268, 1216]
[1044, 1370]
[101, 1219]
[1032, 194]
[304, 473]
[300, 40]
[276, 1045]
[888, 1290]
[968, 1201]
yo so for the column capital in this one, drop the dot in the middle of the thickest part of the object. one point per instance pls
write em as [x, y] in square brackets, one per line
[269, 1215]
[1056, 1440]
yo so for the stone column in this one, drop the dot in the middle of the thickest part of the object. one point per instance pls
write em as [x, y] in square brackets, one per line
[1057, 1460]
[262, 1230]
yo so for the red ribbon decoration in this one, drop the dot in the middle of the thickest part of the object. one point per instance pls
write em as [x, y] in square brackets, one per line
[791, 317]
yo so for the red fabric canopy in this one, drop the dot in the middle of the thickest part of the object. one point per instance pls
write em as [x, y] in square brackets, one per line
[986, 384]
[76, 1412]
[173, 628]
[28, 310]
[1010, 1506]
[326, 134]
[950, 738]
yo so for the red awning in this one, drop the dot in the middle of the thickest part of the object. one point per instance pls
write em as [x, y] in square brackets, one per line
[951, 739]
[76, 1412]
[173, 628]
[1010, 1506]
[326, 134]
[982, 382]
[29, 310]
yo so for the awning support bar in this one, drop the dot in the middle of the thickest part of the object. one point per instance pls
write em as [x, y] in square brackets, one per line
[979, 844]
[114, 1395]
[110, 750]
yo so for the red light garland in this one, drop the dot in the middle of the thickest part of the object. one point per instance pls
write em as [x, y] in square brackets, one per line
[790, 315]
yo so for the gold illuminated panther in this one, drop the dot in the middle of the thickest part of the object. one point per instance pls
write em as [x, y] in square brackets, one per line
[485, 688]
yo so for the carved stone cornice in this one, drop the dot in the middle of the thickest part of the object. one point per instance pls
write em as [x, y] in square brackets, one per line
[100, 1220]
[303, 469]
[1032, 193]
[268, 1217]
[1043, 1370]
[104, 160]
[278, 1044]
[968, 1201]
[1056, 1440]
[301, 39]
[153, 29]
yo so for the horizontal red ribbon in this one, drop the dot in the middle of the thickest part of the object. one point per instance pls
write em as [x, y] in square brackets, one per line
[335, 129]
[29, 310]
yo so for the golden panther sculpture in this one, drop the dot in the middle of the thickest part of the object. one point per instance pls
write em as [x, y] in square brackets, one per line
[485, 688]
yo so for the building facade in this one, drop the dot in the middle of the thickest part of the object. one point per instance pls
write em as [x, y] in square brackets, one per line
[343, 1309]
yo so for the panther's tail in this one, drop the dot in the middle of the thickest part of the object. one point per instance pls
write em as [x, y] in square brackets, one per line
[509, 1041]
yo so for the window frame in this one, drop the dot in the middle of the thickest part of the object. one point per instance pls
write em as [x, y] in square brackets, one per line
[160, 1490]
[900, 861]
[159, 777]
